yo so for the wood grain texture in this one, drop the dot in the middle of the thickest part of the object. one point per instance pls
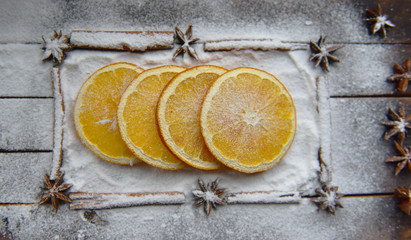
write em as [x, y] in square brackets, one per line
[342, 20]
[26, 124]
[358, 149]
[24, 74]
[21, 176]
[361, 218]
[364, 69]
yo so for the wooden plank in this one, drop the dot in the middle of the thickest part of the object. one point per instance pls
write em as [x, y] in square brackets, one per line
[26, 21]
[364, 69]
[23, 72]
[26, 124]
[340, 20]
[361, 218]
[21, 176]
[358, 148]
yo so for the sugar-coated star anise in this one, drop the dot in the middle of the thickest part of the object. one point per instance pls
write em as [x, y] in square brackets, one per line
[329, 198]
[403, 160]
[403, 196]
[402, 75]
[399, 123]
[55, 46]
[209, 195]
[53, 190]
[185, 39]
[323, 53]
[380, 21]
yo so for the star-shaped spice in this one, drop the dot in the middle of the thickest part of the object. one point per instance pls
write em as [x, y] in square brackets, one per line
[380, 21]
[403, 160]
[55, 46]
[53, 190]
[209, 195]
[329, 198]
[402, 75]
[323, 53]
[185, 39]
[399, 123]
[403, 196]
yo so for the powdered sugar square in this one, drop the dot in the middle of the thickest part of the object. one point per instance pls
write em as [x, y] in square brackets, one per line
[297, 171]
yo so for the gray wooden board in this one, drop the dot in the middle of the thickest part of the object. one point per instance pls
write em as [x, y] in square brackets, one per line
[24, 21]
[26, 124]
[358, 149]
[23, 72]
[364, 69]
[27, 21]
[361, 218]
[21, 176]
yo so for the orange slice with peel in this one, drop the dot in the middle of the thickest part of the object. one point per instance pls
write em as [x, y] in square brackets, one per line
[178, 115]
[137, 117]
[96, 108]
[248, 120]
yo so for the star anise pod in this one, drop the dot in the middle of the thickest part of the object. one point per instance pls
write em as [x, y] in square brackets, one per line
[402, 75]
[329, 198]
[403, 196]
[380, 21]
[55, 46]
[53, 190]
[399, 123]
[403, 160]
[185, 39]
[209, 195]
[323, 53]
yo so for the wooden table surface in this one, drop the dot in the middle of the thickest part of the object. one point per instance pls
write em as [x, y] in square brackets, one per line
[360, 98]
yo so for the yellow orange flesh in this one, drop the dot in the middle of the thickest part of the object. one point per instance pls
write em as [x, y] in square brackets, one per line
[248, 120]
[137, 117]
[95, 112]
[178, 115]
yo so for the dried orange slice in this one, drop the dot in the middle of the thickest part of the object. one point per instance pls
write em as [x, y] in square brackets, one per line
[96, 108]
[248, 120]
[178, 115]
[137, 117]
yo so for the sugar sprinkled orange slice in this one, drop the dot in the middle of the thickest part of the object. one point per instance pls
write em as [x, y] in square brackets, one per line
[95, 112]
[137, 117]
[248, 120]
[178, 115]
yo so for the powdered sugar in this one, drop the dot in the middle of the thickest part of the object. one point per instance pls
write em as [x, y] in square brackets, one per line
[297, 171]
